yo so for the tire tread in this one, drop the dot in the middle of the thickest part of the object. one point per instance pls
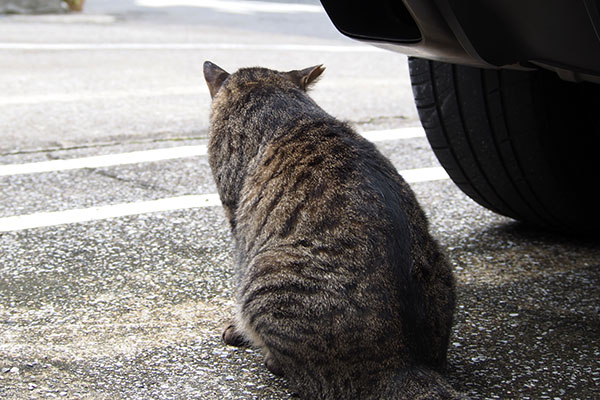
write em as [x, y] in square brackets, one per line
[487, 132]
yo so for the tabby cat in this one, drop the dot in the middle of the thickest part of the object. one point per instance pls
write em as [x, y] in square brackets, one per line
[338, 280]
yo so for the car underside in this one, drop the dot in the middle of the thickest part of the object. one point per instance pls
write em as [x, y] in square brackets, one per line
[508, 94]
[560, 35]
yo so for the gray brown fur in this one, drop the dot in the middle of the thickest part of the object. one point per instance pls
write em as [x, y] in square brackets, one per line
[338, 279]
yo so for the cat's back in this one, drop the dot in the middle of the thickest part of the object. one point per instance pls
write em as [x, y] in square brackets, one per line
[317, 178]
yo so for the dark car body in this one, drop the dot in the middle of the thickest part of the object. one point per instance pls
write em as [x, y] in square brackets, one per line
[559, 35]
[508, 92]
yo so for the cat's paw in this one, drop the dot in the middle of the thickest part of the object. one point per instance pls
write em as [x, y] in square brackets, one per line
[273, 366]
[232, 337]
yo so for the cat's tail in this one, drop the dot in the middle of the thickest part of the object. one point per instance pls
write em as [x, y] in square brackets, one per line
[403, 384]
[415, 384]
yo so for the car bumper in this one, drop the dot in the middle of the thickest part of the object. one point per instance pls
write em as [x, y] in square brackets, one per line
[561, 35]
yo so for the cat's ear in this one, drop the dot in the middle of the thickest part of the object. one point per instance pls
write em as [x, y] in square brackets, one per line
[214, 76]
[305, 77]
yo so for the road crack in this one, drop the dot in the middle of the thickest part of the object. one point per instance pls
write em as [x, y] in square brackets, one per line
[133, 182]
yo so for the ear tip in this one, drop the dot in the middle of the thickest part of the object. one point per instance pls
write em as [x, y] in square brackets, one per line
[207, 65]
[318, 69]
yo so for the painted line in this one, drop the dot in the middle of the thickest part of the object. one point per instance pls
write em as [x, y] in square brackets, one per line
[189, 46]
[394, 134]
[236, 7]
[44, 219]
[424, 174]
[104, 161]
[163, 154]
[54, 218]
[101, 95]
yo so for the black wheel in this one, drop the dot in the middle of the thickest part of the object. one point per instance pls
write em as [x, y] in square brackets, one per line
[523, 144]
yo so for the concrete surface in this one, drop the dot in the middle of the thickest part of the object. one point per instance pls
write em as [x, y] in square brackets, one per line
[132, 307]
[30, 6]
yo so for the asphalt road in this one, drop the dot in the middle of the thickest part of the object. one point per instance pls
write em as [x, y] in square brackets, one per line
[126, 299]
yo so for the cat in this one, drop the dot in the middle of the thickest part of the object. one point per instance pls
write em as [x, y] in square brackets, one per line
[338, 279]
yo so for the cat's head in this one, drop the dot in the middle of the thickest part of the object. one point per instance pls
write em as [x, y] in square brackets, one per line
[216, 77]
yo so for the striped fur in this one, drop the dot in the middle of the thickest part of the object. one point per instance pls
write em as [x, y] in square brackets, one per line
[338, 280]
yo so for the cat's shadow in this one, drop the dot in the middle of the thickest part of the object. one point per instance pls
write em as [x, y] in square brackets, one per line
[532, 322]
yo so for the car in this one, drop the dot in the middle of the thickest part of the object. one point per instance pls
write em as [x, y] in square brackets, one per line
[508, 93]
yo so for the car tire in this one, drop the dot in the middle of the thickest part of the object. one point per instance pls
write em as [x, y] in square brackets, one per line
[522, 144]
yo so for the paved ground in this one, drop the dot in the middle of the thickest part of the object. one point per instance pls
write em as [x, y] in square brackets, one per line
[131, 307]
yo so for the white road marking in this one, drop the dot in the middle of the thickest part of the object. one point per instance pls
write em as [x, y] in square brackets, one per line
[100, 95]
[394, 134]
[236, 7]
[189, 46]
[44, 219]
[163, 154]
[424, 174]
[104, 161]
[53, 218]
